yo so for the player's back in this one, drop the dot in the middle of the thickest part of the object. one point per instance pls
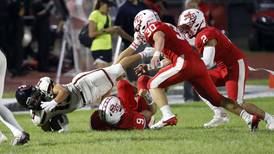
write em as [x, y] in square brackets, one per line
[226, 51]
[95, 84]
[175, 43]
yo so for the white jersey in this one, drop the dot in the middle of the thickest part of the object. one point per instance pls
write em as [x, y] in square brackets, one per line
[93, 85]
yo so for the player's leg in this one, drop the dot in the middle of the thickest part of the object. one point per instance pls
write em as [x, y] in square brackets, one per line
[167, 76]
[6, 116]
[220, 116]
[236, 87]
[205, 87]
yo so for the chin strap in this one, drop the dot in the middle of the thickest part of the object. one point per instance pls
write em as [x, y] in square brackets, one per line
[260, 69]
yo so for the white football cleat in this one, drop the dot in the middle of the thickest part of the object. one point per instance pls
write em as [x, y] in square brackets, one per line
[3, 138]
[20, 140]
[270, 125]
[162, 123]
[217, 121]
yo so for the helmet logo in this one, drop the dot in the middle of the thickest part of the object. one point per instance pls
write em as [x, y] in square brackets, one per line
[191, 17]
[114, 108]
[137, 23]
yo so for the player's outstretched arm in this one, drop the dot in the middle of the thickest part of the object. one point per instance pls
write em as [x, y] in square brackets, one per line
[127, 52]
[126, 62]
[60, 92]
[60, 95]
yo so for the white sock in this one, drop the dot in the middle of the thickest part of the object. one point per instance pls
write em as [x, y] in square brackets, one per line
[267, 117]
[166, 112]
[246, 116]
[218, 111]
[16, 132]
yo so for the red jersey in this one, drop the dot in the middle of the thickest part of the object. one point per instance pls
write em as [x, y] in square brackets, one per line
[132, 120]
[225, 51]
[175, 43]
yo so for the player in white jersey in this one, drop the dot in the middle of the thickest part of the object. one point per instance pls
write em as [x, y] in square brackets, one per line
[6, 116]
[48, 100]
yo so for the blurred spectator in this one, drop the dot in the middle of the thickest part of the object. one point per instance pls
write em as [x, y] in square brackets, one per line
[15, 36]
[78, 18]
[161, 7]
[4, 26]
[198, 4]
[100, 29]
[41, 11]
[126, 15]
[124, 19]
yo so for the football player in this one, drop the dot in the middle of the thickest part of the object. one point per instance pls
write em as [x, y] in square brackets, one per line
[124, 111]
[20, 136]
[231, 68]
[48, 100]
[181, 64]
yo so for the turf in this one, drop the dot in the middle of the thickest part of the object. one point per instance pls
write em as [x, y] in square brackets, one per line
[187, 137]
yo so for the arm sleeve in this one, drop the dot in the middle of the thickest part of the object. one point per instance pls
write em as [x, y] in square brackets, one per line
[208, 56]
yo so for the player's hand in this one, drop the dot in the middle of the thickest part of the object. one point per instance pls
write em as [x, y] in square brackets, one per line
[140, 69]
[155, 60]
[48, 106]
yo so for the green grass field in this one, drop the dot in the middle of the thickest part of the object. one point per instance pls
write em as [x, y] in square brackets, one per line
[187, 137]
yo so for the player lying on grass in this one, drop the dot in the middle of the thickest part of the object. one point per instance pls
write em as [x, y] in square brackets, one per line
[231, 68]
[183, 64]
[125, 111]
[48, 100]
[6, 116]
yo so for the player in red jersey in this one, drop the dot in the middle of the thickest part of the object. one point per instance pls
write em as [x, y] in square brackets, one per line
[231, 68]
[123, 111]
[181, 64]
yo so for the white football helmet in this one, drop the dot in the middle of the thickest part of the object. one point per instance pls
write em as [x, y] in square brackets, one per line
[45, 84]
[143, 19]
[191, 21]
[112, 110]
